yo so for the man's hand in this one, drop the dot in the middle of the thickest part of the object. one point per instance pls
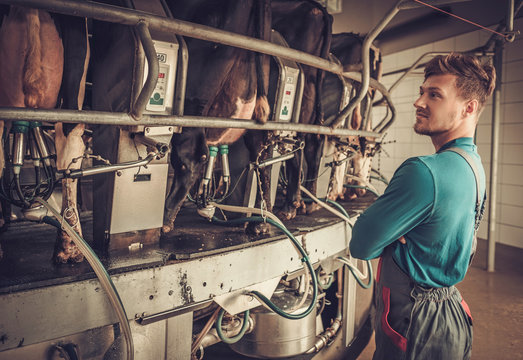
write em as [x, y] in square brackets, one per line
[402, 240]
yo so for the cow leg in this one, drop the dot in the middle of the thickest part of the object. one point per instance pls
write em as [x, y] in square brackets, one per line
[68, 137]
[69, 147]
[313, 152]
[293, 195]
[188, 156]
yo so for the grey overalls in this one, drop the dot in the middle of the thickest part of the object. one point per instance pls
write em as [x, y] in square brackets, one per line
[413, 322]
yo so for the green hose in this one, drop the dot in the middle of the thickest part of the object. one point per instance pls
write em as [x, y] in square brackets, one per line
[234, 339]
[383, 180]
[262, 298]
[360, 282]
[328, 284]
[361, 187]
[338, 206]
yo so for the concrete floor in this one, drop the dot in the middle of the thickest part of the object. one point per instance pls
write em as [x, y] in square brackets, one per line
[496, 302]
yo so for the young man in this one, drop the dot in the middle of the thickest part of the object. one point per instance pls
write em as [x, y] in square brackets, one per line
[423, 226]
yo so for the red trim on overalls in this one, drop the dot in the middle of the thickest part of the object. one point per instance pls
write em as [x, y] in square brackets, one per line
[378, 273]
[397, 338]
[466, 308]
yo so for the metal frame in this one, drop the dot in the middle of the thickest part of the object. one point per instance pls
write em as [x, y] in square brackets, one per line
[155, 292]
[132, 17]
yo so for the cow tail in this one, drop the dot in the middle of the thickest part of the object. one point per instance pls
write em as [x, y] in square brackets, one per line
[33, 71]
[263, 30]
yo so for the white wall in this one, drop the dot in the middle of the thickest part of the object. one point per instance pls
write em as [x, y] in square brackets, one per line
[510, 175]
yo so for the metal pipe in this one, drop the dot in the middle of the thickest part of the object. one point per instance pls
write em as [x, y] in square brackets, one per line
[323, 339]
[19, 148]
[407, 5]
[152, 318]
[42, 145]
[494, 158]
[510, 16]
[150, 142]
[382, 126]
[415, 65]
[275, 160]
[113, 118]
[365, 60]
[108, 168]
[502, 25]
[132, 17]
[152, 73]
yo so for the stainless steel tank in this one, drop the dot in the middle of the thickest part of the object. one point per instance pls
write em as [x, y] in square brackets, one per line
[274, 336]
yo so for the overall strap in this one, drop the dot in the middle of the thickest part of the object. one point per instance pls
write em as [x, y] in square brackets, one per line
[480, 202]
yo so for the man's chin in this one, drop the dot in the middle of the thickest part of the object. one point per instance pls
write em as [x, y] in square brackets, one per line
[420, 130]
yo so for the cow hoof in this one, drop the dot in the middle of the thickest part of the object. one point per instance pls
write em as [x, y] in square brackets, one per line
[287, 213]
[361, 192]
[257, 228]
[63, 258]
[167, 229]
[312, 207]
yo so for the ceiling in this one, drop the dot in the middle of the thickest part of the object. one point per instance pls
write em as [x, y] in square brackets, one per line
[411, 28]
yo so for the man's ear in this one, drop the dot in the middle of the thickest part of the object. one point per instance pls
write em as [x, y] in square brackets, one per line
[471, 107]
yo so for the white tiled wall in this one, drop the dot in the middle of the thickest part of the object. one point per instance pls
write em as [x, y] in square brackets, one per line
[407, 143]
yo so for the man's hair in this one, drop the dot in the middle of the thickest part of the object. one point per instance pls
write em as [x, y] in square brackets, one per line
[474, 80]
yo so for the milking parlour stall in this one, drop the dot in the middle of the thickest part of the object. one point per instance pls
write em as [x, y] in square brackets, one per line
[179, 179]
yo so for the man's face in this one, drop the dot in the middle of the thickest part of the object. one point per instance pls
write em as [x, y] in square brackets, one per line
[439, 108]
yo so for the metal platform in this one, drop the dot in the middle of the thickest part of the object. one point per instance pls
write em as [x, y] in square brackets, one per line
[200, 262]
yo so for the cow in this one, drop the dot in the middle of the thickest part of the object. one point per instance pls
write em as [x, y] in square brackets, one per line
[44, 63]
[347, 48]
[222, 81]
[306, 26]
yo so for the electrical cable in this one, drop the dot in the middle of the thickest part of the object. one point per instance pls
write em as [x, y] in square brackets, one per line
[101, 273]
[462, 19]
[234, 339]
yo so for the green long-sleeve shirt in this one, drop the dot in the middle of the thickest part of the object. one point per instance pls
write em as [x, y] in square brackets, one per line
[431, 201]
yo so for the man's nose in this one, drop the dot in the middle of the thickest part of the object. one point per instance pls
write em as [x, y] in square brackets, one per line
[419, 103]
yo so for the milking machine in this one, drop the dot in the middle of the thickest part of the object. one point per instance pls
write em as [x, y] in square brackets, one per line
[285, 96]
[129, 203]
[19, 187]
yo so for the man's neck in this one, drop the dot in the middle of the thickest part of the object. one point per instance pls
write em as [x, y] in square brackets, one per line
[438, 140]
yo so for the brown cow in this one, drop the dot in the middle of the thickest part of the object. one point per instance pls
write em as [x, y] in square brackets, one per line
[32, 64]
[222, 81]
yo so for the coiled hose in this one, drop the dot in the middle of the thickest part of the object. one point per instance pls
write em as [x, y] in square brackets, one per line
[358, 275]
[101, 273]
[234, 339]
[262, 298]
